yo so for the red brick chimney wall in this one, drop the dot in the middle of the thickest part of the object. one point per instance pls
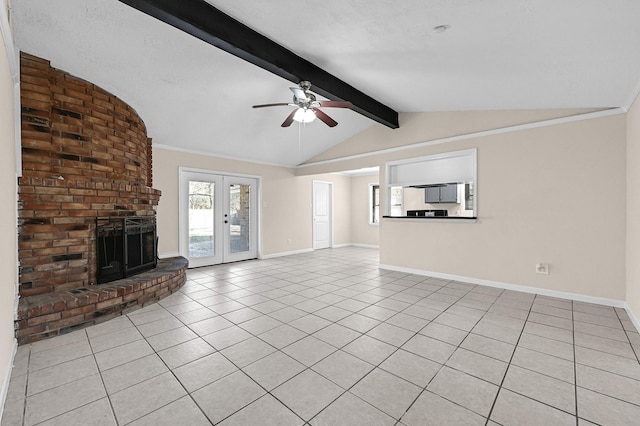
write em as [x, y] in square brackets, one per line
[85, 154]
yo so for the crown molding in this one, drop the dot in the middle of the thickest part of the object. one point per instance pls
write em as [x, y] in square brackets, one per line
[508, 129]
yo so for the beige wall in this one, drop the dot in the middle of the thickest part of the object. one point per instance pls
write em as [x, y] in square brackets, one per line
[540, 193]
[342, 207]
[8, 254]
[362, 232]
[426, 126]
[286, 200]
[633, 208]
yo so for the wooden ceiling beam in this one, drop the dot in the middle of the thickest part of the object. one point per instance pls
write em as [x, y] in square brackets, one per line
[201, 20]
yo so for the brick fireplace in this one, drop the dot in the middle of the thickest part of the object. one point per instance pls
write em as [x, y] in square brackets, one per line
[85, 155]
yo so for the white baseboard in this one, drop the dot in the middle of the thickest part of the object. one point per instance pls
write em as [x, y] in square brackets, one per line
[7, 378]
[284, 253]
[370, 246]
[341, 245]
[525, 289]
[355, 245]
[168, 255]
[632, 316]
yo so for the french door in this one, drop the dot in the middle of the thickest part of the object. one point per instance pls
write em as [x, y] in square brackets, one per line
[218, 218]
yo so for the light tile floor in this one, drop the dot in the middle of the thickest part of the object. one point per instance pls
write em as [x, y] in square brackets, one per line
[327, 338]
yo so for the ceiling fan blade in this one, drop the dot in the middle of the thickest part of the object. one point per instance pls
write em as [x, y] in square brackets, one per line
[287, 122]
[299, 93]
[336, 104]
[325, 118]
[270, 105]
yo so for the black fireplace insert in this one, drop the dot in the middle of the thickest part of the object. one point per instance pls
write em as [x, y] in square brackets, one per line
[125, 246]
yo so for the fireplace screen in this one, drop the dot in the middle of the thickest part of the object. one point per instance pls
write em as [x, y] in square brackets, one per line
[125, 247]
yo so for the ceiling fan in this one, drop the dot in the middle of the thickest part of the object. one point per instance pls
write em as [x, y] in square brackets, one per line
[308, 107]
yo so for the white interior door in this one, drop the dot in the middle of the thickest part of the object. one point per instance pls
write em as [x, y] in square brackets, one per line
[218, 218]
[322, 214]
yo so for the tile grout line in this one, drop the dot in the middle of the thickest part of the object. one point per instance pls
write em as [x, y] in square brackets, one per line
[600, 369]
[26, 387]
[302, 269]
[381, 362]
[310, 367]
[515, 347]
[397, 312]
[170, 370]
[575, 363]
[136, 328]
[93, 353]
[135, 384]
[424, 388]
[336, 323]
[628, 338]
[280, 350]
[241, 370]
[552, 377]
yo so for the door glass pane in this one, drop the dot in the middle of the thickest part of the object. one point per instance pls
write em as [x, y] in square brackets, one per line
[201, 216]
[239, 214]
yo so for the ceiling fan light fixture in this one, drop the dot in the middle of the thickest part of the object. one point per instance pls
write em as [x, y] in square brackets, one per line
[308, 107]
[303, 115]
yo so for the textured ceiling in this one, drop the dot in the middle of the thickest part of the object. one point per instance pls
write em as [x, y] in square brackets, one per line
[496, 55]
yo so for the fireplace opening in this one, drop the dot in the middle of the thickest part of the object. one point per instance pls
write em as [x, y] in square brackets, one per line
[125, 247]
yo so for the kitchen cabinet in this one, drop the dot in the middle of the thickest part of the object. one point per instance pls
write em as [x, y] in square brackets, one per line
[449, 193]
[439, 194]
[432, 194]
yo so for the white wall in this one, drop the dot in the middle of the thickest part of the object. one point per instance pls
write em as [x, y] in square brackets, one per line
[633, 209]
[342, 207]
[286, 200]
[541, 193]
[8, 190]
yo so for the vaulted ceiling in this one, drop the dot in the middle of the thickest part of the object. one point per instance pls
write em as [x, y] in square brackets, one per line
[492, 55]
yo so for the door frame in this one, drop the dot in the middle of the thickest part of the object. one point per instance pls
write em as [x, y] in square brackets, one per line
[313, 209]
[182, 207]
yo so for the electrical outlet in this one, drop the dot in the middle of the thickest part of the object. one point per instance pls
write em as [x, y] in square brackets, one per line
[288, 240]
[542, 268]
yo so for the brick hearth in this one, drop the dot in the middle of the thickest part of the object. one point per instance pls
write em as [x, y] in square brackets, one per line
[57, 313]
[85, 154]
